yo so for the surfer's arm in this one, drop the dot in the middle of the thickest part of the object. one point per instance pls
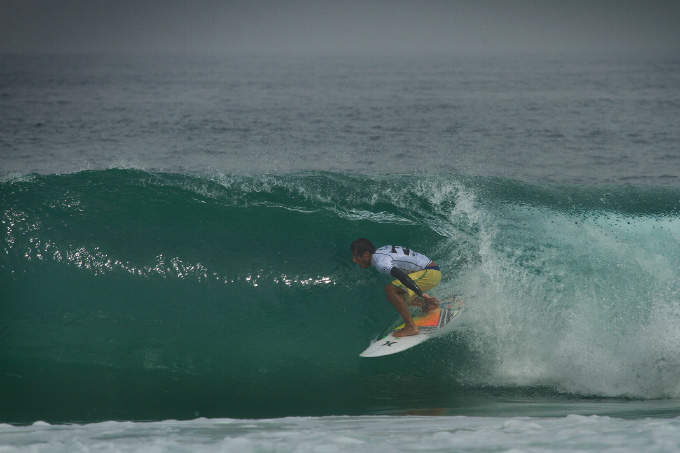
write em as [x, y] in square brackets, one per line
[406, 280]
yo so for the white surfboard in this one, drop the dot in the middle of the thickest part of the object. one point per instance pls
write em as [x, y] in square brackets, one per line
[429, 325]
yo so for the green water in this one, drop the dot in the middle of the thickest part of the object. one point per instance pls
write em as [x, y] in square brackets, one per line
[136, 295]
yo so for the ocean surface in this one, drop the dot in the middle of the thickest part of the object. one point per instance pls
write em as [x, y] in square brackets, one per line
[175, 271]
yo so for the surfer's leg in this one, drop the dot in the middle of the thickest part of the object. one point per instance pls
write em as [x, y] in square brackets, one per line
[395, 296]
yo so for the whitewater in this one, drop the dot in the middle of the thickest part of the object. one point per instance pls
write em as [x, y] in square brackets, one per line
[176, 275]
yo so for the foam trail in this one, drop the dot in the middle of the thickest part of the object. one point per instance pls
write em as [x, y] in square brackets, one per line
[584, 302]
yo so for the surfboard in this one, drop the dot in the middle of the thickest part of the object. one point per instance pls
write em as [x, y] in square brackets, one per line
[429, 324]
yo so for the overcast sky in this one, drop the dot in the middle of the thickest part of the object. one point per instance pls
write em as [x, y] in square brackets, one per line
[340, 26]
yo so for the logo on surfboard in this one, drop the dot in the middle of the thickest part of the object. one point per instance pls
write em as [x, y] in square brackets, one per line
[429, 325]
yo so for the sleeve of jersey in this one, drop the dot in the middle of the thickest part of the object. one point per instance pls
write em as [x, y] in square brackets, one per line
[382, 264]
[405, 280]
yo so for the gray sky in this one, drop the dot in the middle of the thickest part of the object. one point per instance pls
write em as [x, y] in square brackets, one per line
[340, 26]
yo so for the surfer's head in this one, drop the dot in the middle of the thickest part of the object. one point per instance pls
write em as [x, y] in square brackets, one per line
[362, 250]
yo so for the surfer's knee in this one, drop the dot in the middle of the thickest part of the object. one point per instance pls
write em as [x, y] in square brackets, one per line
[392, 291]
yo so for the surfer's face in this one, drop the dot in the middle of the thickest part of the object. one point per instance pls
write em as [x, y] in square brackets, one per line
[364, 261]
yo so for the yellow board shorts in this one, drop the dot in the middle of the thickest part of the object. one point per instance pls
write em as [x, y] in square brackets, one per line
[425, 279]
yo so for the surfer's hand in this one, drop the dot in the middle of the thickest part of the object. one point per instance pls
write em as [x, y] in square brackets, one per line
[430, 302]
[429, 299]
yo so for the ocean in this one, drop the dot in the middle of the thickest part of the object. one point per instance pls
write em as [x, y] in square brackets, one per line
[175, 271]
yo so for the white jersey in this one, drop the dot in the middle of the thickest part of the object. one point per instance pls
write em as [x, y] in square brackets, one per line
[389, 256]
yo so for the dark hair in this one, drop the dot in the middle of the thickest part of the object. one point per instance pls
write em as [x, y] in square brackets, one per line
[361, 246]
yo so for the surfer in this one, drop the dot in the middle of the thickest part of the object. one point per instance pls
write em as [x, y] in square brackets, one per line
[408, 267]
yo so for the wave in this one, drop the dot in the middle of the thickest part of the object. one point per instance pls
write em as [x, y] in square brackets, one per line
[133, 294]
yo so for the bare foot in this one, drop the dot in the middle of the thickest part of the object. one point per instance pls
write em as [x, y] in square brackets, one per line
[405, 332]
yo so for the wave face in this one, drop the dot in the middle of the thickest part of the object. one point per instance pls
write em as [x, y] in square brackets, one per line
[136, 295]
